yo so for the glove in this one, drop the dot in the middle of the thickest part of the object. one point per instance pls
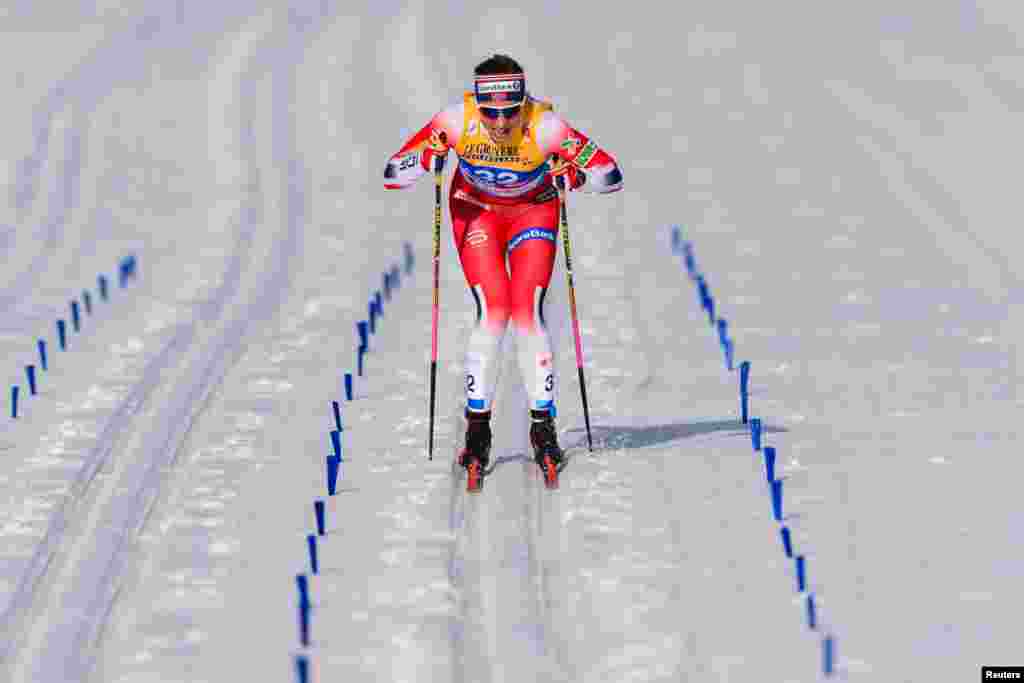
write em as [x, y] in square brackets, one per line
[574, 177]
[437, 146]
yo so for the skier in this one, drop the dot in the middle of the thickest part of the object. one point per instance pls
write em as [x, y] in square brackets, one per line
[510, 146]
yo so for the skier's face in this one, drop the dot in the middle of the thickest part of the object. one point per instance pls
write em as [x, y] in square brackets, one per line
[501, 123]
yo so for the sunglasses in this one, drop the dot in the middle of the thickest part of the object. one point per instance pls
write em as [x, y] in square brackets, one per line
[495, 112]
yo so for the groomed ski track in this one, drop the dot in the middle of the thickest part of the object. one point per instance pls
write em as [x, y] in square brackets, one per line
[68, 588]
[825, 213]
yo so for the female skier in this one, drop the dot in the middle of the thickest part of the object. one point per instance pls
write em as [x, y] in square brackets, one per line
[510, 146]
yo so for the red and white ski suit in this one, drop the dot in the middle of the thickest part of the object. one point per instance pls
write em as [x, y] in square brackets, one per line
[503, 205]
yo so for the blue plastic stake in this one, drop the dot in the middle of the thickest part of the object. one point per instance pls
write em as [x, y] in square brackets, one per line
[102, 282]
[302, 668]
[755, 433]
[313, 564]
[359, 360]
[777, 499]
[41, 345]
[787, 543]
[371, 311]
[336, 442]
[812, 618]
[677, 238]
[75, 319]
[87, 300]
[745, 378]
[362, 327]
[396, 277]
[711, 310]
[303, 584]
[691, 262]
[304, 623]
[62, 335]
[702, 292]
[337, 414]
[14, 402]
[30, 370]
[769, 463]
[728, 354]
[380, 304]
[318, 508]
[723, 332]
[333, 464]
[801, 574]
[348, 386]
[386, 285]
[409, 258]
[828, 655]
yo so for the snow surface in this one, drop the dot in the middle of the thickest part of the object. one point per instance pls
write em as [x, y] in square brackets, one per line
[847, 177]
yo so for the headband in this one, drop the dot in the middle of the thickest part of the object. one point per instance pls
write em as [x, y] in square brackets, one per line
[502, 90]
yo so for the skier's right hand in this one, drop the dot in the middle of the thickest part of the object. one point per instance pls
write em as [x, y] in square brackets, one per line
[437, 146]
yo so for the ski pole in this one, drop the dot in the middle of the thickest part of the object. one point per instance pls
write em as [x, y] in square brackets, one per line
[438, 175]
[560, 184]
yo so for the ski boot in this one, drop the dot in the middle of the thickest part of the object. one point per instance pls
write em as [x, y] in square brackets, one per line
[477, 453]
[544, 440]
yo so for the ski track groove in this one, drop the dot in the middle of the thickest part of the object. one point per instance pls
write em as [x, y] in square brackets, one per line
[484, 611]
[95, 599]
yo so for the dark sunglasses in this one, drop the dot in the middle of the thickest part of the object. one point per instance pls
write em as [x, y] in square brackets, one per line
[495, 112]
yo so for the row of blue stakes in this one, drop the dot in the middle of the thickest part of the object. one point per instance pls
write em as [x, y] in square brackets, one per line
[126, 270]
[391, 281]
[707, 303]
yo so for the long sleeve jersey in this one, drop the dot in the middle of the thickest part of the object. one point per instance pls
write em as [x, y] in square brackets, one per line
[511, 172]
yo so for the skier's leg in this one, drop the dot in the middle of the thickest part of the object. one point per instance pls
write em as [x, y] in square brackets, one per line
[532, 247]
[481, 251]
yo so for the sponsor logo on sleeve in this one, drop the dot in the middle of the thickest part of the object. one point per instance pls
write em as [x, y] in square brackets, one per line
[586, 154]
[408, 161]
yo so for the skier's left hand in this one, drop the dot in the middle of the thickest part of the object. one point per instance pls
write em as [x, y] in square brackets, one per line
[437, 146]
[574, 177]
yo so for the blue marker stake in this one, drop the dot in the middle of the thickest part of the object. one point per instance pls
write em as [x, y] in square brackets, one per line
[386, 283]
[755, 433]
[359, 360]
[396, 277]
[711, 310]
[333, 464]
[313, 564]
[30, 370]
[723, 332]
[303, 584]
[801, 574]
[787, 543]
[14, 402]
[371, 311]
[319, 510]
[777, 499]
[691, 262]
[41, 345]
[87, 300]
[380, 304]
[336, 442]
[745, 378]
[75, 320]
[102, 282]
[812, 618]
[364, 339]
[677, 238]
[302, 668]
[769, 463]
[828, 655]
[304, 624]
[337, 414]
[62, 335]
[702, 292]
[348, 386]
[728, 354]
